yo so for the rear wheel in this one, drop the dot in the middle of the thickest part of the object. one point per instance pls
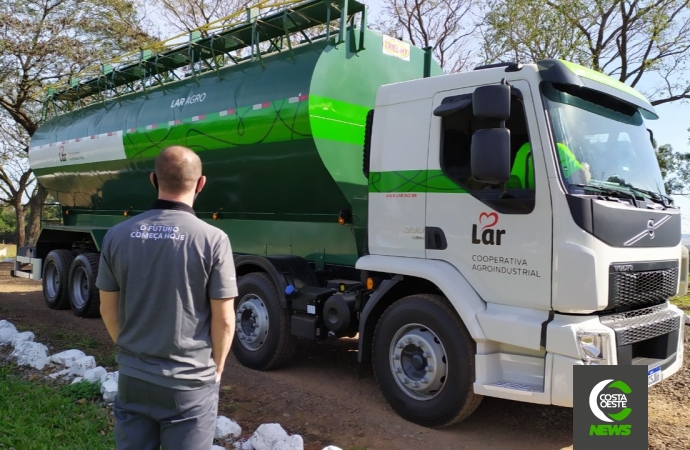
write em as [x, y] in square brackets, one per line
[262, 328]
[55, 278]
[83, 294]
[423, 360]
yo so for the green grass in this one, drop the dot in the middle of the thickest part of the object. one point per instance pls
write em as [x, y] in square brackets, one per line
[34, 415]
[83, 390]
[683, 302]
[78, 340]
[11, 251]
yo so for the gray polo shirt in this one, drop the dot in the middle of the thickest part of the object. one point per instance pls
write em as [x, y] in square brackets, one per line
[167, 265]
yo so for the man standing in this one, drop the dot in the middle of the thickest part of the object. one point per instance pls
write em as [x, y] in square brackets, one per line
[167, 285]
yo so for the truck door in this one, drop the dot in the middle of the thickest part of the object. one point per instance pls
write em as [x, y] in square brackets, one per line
[499, 241]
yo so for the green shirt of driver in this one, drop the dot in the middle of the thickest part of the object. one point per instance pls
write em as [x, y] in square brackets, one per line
[523, 167]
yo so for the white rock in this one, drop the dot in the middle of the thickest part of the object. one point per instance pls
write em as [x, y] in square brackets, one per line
[81, 365]
[26, 336]
[332, 447]
[76, 380]
[268, 435]
[7, 332]
[67, 357]
[31, 354]
[110, 376]
[294, 442]
[226, 428]
[109, 390]
[61, 373]
[244, 445]
[95, 375]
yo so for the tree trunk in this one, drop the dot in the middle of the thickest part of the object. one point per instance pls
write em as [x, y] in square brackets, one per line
[20, 214]
[34, 228]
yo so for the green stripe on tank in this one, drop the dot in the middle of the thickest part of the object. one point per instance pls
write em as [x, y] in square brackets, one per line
[318, 117]
[336, 120]
[276, 122]
[405, 181]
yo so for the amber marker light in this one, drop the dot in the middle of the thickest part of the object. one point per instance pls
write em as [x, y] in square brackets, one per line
[67, 212]
[345, 216]
[370, 284]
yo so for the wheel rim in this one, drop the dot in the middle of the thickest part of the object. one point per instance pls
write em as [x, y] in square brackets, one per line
[52, 280]
[418, 362]
[80, 287]
[252, 322]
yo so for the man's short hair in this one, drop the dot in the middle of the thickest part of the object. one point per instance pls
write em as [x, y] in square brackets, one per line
[178, 170]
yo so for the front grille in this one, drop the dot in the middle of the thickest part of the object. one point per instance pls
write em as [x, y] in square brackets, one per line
[642, 324]
[642, 288]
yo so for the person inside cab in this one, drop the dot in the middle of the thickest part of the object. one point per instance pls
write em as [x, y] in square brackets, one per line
[522, 173]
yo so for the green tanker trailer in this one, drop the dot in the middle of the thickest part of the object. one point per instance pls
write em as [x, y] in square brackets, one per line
[366, 197]
[280, 136]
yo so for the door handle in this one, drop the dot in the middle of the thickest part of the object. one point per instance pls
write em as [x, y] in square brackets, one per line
[435, 239]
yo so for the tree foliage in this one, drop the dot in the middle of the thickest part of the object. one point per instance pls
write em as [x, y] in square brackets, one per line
[187, 15]
[675, 169]
[443, 25]
[41, 42]
[631, 40]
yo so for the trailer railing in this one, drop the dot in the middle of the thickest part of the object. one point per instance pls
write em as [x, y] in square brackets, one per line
[265, 29]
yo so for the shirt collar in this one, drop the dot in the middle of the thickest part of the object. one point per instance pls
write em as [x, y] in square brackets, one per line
[170, 204]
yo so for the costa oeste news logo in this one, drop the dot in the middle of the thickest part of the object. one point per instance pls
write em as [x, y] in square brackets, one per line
[610, 407]
[599, 401]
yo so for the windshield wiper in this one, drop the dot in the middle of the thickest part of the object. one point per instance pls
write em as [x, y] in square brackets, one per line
[607, 191]
[655, 196]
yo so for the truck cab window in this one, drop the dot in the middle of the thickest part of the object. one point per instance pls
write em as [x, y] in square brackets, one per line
[455, 154]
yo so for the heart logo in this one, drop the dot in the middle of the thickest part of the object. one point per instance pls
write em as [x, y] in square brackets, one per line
[488, 217]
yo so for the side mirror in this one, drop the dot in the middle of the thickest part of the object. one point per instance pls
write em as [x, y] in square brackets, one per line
[492, 101]
[490, 155]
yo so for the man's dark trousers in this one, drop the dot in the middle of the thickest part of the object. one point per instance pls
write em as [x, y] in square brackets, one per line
[148, 416]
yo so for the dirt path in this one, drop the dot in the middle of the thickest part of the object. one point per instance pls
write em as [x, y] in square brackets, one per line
[320, 395]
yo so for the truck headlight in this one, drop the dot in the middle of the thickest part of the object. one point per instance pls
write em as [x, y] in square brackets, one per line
[593, 347]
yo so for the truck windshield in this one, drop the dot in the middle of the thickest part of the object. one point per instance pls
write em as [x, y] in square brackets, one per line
[601, 141]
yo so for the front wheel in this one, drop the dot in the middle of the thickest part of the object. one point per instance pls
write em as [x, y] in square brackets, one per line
[262, 328]
[423, 361]
[83, 294]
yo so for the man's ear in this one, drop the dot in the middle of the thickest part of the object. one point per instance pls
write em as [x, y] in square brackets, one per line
[154, 180]
[200, 184]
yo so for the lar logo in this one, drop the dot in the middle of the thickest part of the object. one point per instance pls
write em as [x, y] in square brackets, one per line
[489, 235]
[610, 407]
[608, 401]
[62, 154]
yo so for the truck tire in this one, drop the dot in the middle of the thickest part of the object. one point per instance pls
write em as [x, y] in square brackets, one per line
[423, 358]
[84, 297]
[55, 278]
[262, 326]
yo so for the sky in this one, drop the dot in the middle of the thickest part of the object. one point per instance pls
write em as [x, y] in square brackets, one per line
[672, 126]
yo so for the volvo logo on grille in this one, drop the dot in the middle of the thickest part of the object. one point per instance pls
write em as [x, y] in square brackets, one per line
[623, 268]
[652, 226]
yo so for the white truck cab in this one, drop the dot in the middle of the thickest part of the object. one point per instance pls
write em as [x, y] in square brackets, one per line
[530, 196]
